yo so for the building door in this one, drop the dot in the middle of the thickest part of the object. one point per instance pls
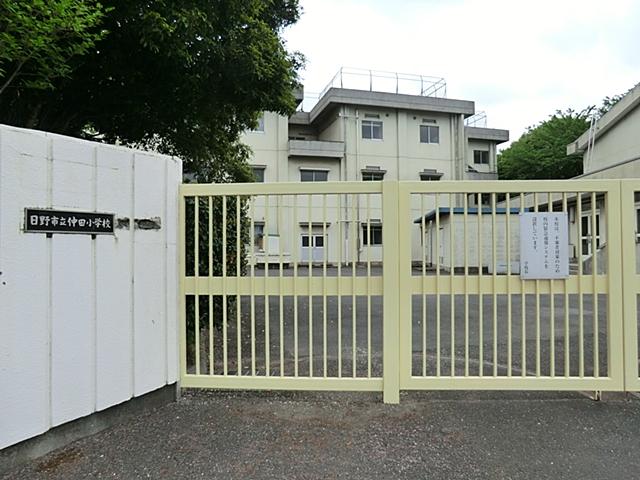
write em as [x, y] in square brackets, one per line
[312, 248]
[586, 234]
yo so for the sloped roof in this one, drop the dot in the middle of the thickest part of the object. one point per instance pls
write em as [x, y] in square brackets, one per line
[621, 109]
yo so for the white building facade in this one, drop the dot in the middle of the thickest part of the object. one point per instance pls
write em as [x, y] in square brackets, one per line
[362, 134]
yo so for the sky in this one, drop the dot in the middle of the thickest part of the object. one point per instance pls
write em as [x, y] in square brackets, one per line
[519, 61]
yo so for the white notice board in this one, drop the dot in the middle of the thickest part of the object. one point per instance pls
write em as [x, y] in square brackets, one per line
[544, 245]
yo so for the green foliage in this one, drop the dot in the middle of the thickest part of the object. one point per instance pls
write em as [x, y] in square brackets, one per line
[609, 102]
[211, 235]
[185, 77]
[541, 152]
[40, 38]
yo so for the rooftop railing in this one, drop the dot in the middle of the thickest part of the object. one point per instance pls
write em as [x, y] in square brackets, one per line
[380, 81]
[477, 120]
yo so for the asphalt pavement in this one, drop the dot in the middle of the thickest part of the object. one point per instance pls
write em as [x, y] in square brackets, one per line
[244, 435]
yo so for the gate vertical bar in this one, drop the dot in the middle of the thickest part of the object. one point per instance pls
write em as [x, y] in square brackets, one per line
[628, 245]
[252, 210]
[552, 308]
[423, 292]
[280, 288]
[616, 231]
[494, 279]
[391, 248]
[325, 250]
[405, 314]
[196, 272]
[580, 295]
[210, 271]
[509, 300]
[567, 339]
[225, 353]
[595, 235]
[294, 250]
[452, 296]
[537, 295]
[238, 297]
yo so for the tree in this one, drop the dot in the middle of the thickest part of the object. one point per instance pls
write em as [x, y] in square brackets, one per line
[39, 39]
[186, 77]
[541, 152]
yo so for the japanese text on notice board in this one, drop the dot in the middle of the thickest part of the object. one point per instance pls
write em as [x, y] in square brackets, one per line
[544, 245]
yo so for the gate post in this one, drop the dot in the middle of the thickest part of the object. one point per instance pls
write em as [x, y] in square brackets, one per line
[629, 289]
[616, 301]
[391, 298]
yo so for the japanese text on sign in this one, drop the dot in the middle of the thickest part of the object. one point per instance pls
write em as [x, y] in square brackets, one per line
[544, 245]
[58, 221]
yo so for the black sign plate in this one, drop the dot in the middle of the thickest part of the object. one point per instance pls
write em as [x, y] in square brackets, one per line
[61, 221]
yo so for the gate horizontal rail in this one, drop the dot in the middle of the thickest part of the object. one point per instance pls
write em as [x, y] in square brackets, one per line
[299, 286]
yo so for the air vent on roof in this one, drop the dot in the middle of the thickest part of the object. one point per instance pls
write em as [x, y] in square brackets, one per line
[371, 115]
[428, 120]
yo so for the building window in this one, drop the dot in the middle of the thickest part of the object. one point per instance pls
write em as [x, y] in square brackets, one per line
[258, 174]
[373, 233]
[429, 134]
[481, 157]
[372, 175]
[587, 234]
[638, 225]
[316, 240]
[372, 129]
[430, 174]
[258, 236]
[314, 175]
[260, 125]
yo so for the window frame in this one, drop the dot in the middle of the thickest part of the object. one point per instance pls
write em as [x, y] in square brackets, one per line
[257, 168]
[372, 174]
[429, 134]
[314, 172]
[483, 153]
[258, 238]
[430, 176]
[371, 124]
[314, 237]
[375, 231]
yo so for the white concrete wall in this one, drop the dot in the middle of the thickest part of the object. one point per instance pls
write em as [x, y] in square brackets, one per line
[399, 153]
[472, 244]
[84, 323]
[486, 146]
[623, 170]
[619, 144]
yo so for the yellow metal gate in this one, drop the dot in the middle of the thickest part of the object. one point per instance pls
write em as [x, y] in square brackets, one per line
[630, 245]
[385, 286]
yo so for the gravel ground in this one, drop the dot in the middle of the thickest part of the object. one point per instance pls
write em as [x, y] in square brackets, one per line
[458, 435]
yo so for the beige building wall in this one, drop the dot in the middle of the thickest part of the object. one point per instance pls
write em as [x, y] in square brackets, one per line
[620, 143]
[621, 170]
[490, 147]
[477, 242]
[400, 154]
